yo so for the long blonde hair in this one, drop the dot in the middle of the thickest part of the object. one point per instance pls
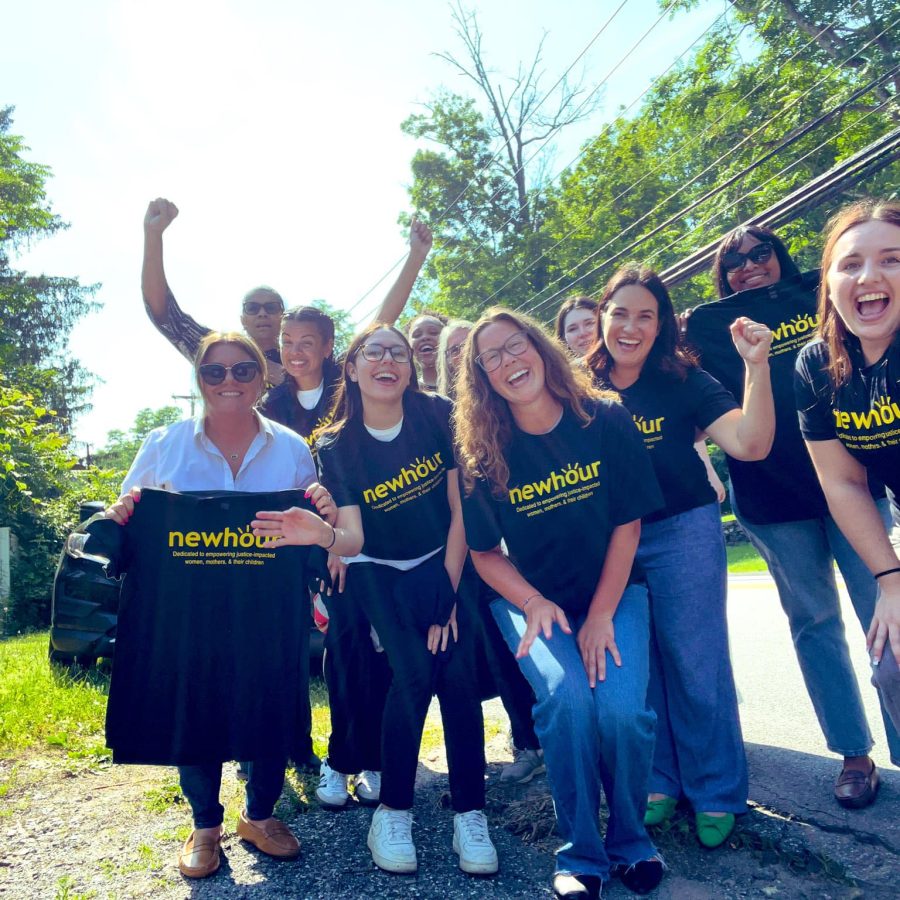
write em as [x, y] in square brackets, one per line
[445, 380]
[482, 421]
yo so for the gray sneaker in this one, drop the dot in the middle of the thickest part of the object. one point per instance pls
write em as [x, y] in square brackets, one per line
[525, 765]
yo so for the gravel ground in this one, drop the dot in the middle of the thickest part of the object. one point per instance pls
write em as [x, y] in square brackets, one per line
[76, 830]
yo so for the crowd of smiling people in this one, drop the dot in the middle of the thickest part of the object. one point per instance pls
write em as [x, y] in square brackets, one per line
[458, 464]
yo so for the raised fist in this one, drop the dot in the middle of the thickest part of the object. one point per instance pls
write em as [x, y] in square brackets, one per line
[159, 215]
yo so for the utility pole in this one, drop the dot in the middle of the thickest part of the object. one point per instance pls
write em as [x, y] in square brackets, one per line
[192, 397]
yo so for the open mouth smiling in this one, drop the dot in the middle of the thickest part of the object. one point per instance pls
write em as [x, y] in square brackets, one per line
[871, 305]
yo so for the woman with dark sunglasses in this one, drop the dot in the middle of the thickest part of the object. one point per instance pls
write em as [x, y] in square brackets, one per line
[847, 388]
[778, 501]
[699, 752]
[555, 468]
[229, 447]
[388, 459]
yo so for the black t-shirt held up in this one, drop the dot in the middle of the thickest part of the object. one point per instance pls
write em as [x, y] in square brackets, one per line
[863, 414]
[400, 486]
[667, 413]
[567, 491]
[208, 646]
[782, 487]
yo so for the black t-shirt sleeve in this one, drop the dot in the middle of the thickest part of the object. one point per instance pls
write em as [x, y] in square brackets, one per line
[811, 392]
[336, 467]
[711, 398]
[634, 490]
[483, 531]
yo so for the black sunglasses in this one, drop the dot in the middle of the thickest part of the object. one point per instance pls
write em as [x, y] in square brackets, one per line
[214, 373]
[734, 259]
[270, 306]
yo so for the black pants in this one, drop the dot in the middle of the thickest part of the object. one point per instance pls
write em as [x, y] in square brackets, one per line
[402, 626]
[303, 746]
[358, 679]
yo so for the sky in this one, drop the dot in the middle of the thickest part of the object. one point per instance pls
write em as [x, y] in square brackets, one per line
[274, 125]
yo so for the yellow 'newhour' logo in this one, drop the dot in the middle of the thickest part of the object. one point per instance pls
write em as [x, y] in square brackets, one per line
[794, 334]
[418, 470]
[243, 537]
[571, 475]
[323, 423]
[883, 412]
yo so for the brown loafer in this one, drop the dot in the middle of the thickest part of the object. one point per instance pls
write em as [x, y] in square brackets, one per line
[855, 789]
[272, 837]
[203, 851]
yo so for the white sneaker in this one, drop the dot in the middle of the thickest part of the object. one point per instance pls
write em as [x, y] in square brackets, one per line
[332, 791]
[390, 840]
[477, 855]
[368, 787]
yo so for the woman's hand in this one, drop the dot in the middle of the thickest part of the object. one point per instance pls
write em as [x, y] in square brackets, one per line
[884, 632]
[324, 503]
[439, 635]
[751, 340]
[337, 569]
[540, 615]
[123, 509]
[595, 637]
[293, 526]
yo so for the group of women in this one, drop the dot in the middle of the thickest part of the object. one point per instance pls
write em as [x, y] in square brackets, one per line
[558, 501]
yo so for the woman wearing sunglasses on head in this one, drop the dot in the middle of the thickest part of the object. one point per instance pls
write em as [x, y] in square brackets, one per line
[699, 750]
[557, 471]
[388, 459]
[229, 447]
[779, 502]
[848, 388]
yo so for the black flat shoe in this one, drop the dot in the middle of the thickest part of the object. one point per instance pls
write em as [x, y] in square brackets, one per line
[577, 887]
[642, 877]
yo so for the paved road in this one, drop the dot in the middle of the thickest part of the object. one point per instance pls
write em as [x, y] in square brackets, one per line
[791, 770]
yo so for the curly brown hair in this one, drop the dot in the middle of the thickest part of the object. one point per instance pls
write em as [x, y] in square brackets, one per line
[832, 329]
[482, 421]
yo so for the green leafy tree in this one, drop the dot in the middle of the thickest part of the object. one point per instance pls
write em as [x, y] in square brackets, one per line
[343, 325]
[41, 481]
[654, 180]
[121, 446]
[37, 312]
[480, 174]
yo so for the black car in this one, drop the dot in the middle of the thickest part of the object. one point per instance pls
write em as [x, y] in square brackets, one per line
[86, 606]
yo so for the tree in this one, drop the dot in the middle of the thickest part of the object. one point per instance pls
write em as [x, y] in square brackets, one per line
[344, 328]
[40, 387]
[37, 312]
[121, 447]
[481, 182]
[725, 137]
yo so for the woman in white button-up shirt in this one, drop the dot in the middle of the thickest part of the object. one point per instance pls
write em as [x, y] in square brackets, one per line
[230, 446]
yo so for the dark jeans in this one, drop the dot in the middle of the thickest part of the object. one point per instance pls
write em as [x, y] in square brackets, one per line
[200, 785]
[358, 679]
[416, 676]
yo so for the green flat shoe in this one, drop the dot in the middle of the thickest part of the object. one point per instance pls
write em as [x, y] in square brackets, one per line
[713, 831]
[659, 811]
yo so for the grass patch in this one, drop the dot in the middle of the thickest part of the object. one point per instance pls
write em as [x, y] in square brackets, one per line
[49, 706]
[743, 558]
[163, 797]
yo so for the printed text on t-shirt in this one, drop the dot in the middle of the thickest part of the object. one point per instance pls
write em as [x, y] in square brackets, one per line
[875, 429]
[419, 477]
[574, 483]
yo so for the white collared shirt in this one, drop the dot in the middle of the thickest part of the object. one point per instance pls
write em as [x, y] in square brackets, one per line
[181, 457]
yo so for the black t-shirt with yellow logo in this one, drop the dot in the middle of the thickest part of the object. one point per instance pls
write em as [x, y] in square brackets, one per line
[782, 487]
[667, 413]
[567, 491]
[208, 646]
[863, 414]
[400, 486]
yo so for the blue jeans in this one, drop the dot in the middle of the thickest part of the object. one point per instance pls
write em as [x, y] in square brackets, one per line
[800, 556]
[604, 735]
[200, 785]
[699, 747]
